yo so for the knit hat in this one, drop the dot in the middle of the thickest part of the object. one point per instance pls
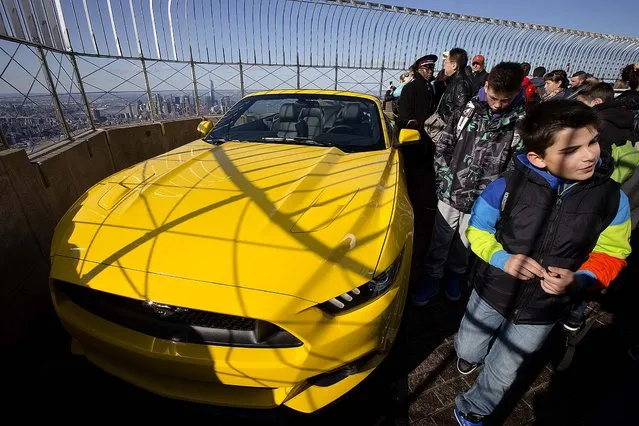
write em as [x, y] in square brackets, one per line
[478, 59]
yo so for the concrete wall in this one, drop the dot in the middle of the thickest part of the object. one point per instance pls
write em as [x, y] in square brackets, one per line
[36, 191]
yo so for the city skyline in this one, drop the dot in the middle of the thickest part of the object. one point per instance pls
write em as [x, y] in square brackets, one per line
[29, 122]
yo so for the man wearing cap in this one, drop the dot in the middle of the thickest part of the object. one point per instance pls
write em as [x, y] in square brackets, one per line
[479, 74]
[416, 102]
[415, 106]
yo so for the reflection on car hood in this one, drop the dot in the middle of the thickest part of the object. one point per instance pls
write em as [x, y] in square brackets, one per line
[299, 220]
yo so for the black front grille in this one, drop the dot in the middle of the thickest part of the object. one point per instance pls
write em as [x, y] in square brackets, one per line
[192, 316]
[176, 323]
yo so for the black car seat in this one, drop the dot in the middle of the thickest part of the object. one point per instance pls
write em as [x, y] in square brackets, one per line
[352, 115]
[313, 119]
[289, 115]
[331, 113]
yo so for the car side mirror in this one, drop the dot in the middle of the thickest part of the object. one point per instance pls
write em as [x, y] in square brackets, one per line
[408, 137]
[204, 127]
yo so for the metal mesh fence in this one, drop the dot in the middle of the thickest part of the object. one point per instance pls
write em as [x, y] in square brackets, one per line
[69, 66]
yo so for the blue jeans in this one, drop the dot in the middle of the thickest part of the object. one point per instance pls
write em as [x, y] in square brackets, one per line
[511, 344]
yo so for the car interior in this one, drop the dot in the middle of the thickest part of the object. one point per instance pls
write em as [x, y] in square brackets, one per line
[348, 124]
[297, 120]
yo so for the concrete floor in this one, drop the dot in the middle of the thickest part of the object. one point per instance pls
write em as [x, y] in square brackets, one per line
[415, 385]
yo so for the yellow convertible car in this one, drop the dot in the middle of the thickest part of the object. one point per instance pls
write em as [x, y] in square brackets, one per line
[265, 264]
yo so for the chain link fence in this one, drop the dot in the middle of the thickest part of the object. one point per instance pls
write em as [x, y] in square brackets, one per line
[67, 67]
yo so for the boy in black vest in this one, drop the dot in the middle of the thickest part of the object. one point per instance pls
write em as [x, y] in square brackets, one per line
[555, 226]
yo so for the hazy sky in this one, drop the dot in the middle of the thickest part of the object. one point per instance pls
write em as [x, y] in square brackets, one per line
[610, 16]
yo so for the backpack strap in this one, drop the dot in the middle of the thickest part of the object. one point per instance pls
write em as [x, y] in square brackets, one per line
[466, 115]
[572, 340]
[514, 184]
[516, 135]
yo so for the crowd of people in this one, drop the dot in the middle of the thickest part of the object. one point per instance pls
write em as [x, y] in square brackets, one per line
[536, 183]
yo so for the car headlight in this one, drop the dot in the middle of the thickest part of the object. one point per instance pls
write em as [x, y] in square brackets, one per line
[364, 293]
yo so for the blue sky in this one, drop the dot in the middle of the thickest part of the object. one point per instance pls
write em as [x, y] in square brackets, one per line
[611, 16]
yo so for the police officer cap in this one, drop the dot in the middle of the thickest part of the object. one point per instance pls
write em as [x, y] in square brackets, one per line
[426, 60]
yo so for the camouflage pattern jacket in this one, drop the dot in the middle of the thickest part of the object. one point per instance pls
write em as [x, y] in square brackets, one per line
[477, 145]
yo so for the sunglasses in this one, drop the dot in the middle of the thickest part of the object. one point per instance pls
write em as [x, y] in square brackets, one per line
[477, 63]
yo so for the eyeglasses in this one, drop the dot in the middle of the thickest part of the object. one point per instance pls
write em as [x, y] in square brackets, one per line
[477, 63]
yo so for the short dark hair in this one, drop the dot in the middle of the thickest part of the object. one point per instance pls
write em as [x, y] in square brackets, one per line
[526, 67]
[460, 57]
[603, 91]
[631, 76]
[558, 76]
[539, 72]
[544, 120]
[581, 74]
[506, 77]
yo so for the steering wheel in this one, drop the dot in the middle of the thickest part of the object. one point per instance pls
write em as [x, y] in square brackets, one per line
[342, 128]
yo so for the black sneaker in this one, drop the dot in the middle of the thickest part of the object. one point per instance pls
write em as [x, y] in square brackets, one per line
[465, 367]
[470, 419]
[574, 321]
[633, 352]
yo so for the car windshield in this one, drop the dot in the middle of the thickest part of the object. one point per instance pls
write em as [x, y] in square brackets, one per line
[349, 123]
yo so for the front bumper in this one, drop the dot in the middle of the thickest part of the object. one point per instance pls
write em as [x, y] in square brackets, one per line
[337, 354]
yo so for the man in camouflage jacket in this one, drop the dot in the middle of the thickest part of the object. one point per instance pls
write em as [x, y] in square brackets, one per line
[477, 145]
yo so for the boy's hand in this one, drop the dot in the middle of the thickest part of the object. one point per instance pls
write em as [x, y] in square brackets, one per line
[558, 280]
[523, 267]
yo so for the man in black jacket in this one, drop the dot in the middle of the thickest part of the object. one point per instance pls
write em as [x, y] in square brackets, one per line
[459, 87]
[415, 106]
[415, 103]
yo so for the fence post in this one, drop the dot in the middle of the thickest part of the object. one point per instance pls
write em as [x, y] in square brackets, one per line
[298, 71]
[54, 94]
[381, 82]
[148, 89]
[83, 93]
[241, 79]
[76, 71]
[197, 98]
[336, 61]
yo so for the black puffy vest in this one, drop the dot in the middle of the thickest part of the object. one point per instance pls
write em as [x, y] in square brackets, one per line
[554, 230]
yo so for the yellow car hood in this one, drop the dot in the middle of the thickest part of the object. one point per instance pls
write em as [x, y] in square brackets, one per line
[304, 221]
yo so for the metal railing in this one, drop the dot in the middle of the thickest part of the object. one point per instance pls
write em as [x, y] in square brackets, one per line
[70, 66]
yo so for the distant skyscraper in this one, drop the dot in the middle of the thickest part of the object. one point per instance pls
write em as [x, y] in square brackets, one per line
[212, 94]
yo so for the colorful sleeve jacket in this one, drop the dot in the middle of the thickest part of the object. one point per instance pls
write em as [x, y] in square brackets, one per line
[604, 262]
